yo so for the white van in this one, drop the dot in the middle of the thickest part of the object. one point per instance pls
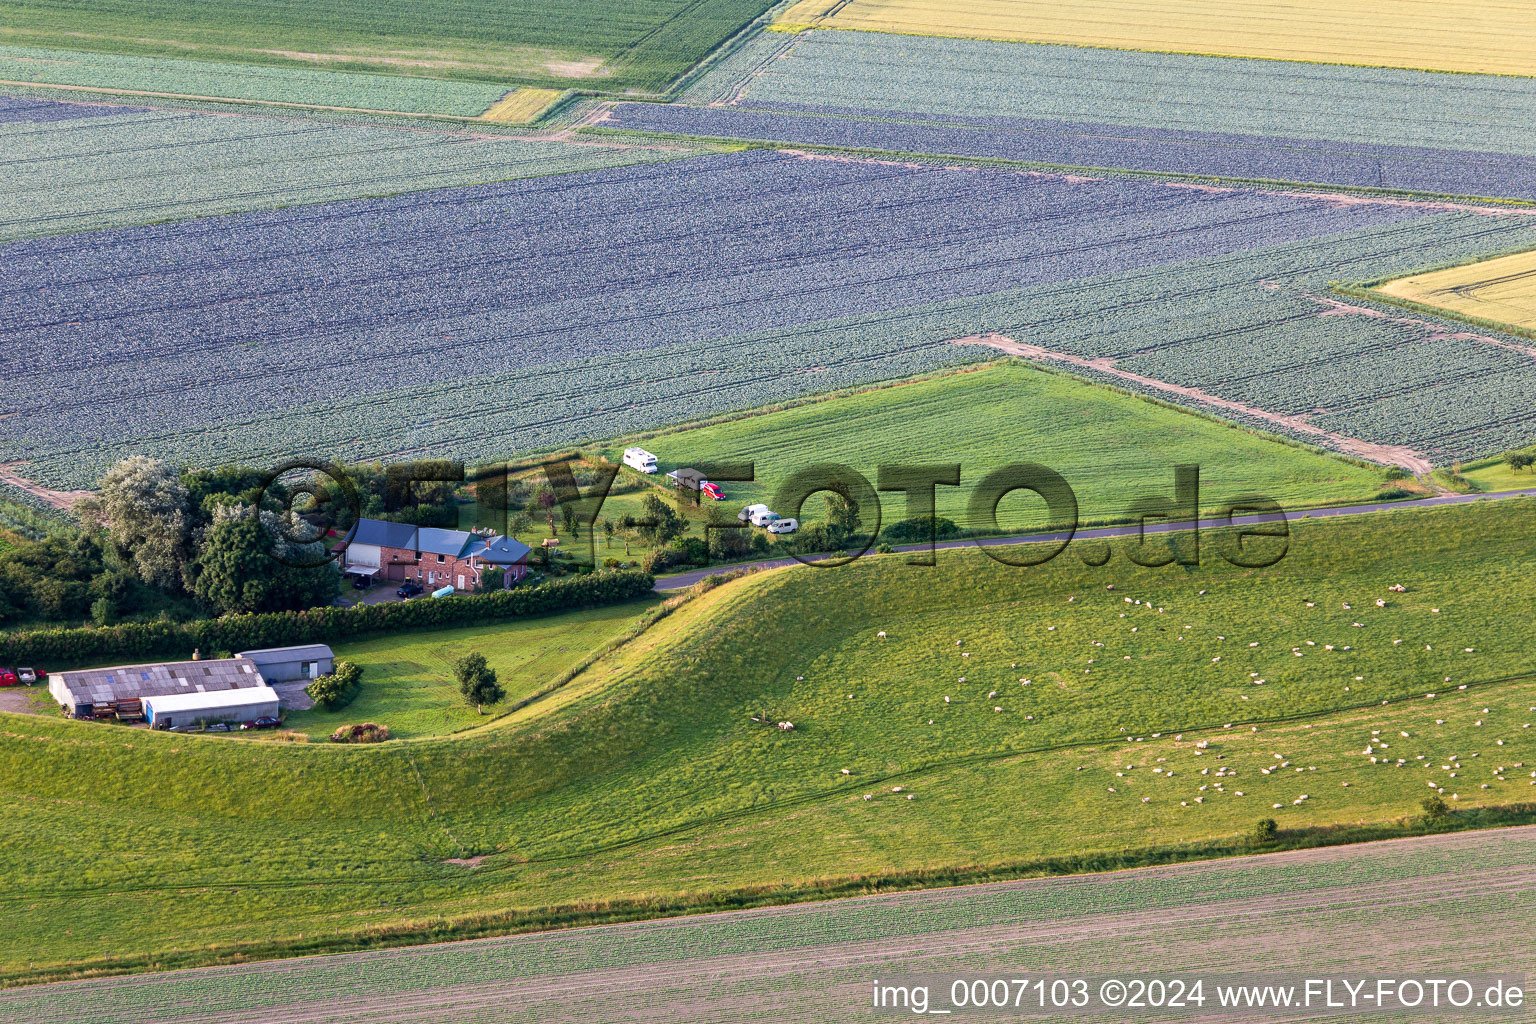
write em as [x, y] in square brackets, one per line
[784, 526]
[639, 459]
[763, 516]
[746, 514]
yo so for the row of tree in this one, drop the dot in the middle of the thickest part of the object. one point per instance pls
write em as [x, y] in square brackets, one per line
[155, 541]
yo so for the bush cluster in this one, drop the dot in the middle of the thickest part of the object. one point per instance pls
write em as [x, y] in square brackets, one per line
[337, 690]
[367, 732]
[145, 640]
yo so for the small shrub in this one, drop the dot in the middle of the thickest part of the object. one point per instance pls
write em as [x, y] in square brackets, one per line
[367, 732]
[288, 736]
[1436, 809]
[1394, 493]
[1266, 831]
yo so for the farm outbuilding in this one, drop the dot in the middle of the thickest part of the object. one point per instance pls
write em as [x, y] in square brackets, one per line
[171, 710]
[102, 690]
[288, 664]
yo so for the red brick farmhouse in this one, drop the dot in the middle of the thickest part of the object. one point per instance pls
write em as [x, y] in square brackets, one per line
[432, 557]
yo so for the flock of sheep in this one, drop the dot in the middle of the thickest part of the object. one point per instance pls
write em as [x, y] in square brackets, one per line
[1212, 783]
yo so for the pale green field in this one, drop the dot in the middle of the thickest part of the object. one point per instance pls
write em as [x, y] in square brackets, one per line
[1113, 449]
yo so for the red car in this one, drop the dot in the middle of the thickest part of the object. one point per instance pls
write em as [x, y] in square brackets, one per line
[711, 490]
[8, 677]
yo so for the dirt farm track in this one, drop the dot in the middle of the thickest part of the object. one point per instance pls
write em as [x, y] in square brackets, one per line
[1455, 903]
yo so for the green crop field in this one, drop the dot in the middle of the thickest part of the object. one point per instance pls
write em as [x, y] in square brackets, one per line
[646, 778]
[408, 680]
[158, 165]
[597, 43]
[1112, 448]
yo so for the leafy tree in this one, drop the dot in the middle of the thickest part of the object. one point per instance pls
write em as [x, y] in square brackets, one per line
[208, 489]
[144, 507]
[1435, 809]
[52, 578]
[477, 681]
[661, 522]
[729, 543]
[608, 530]
[235, 570]
[1266, 831]
[569, 518]
[546, 500]
[519, 522]
[842, 512]
[1520, 460]
[627, 528]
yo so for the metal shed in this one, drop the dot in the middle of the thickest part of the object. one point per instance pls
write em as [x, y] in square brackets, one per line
[96, 690]
[289, 664]
[170, 710]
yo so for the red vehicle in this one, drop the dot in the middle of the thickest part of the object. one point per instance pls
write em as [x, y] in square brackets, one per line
[8, 677]
[711, 490]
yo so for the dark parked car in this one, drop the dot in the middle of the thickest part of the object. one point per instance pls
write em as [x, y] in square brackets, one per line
[267, 722]
[361, 582]
[410, 590]
[219, 727]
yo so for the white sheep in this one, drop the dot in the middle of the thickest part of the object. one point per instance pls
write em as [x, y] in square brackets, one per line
[881, 634]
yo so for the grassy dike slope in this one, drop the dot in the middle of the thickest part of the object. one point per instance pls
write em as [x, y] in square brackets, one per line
[647, 778]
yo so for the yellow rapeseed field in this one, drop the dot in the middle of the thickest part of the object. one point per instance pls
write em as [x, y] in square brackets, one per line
[1490, 36]
[1502, 289]
[521, 106]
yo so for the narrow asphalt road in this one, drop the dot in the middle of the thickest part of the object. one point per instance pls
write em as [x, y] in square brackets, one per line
[688, 579]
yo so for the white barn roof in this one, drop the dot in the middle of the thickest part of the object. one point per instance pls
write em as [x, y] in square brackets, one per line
[176, 703]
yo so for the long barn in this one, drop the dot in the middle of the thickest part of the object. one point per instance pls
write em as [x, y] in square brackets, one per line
[96, 691]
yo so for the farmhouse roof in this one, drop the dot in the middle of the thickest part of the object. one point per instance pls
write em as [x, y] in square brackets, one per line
[442, 542]
[389, 535]
[432, 540]
[127, 682]
[499, 550]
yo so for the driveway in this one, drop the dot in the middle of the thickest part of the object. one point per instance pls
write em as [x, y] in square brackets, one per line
[18, 699]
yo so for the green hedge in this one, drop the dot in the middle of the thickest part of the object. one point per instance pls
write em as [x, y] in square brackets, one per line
[132, 641]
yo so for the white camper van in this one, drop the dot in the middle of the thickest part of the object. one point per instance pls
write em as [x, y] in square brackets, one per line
[640, 459]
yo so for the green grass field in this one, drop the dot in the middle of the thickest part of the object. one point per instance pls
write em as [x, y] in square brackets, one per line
[408, 680]
[1112, 448]
[608, 45]
[645, 778]
[1493, 475]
